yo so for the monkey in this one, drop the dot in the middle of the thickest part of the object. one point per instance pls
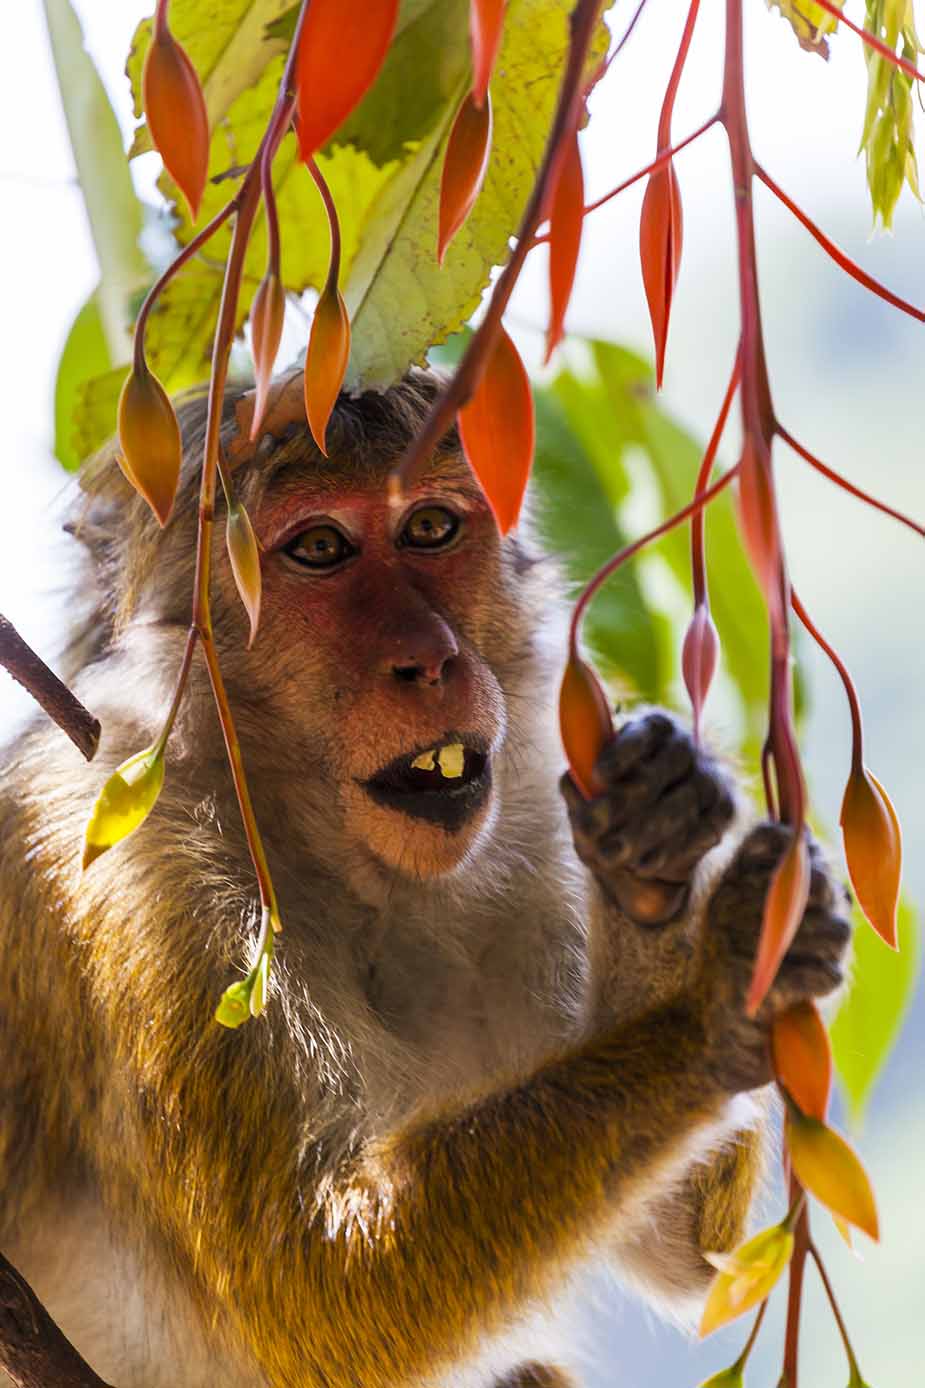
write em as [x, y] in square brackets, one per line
[505, 1032]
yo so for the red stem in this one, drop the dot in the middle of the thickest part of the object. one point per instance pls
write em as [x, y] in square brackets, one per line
[871, 40]
[160, 284]
[629, 550]
[671, 91]
[854, 704]
[160, 19]
[657, 163]
[847, 486]
[698, 564]
[843, 261]
[333, 224]
[582, 22]
[836, 1310]
[795, 1290]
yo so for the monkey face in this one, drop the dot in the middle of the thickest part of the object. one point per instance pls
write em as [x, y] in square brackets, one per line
[385, 627]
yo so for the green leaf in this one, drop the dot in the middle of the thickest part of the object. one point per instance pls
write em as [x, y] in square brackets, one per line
[85, 355]
[401, 302]
[96, 403]
[229, 43]
[578, 522]
[869, 1020]
[235, 1005]
[675, 458]
[124, 802]
[113, 209]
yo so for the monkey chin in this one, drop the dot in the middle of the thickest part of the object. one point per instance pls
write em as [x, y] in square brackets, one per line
[416, 847]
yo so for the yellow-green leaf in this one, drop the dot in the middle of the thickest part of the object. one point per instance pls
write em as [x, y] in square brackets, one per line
[745, 1276]
[828, 1168]
[125, 802]
[235, 1005]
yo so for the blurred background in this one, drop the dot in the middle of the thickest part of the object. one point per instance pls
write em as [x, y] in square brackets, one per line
[848, 375]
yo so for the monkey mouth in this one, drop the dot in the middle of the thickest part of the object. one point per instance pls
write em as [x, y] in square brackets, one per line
[444, 783]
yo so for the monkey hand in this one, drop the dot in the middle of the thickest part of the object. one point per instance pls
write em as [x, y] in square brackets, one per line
[665, 804]
[813, 967]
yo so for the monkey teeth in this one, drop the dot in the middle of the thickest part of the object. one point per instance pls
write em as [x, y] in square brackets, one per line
[444, 784]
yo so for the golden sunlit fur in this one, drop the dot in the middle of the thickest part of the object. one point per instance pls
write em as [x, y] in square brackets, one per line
[471, 1075]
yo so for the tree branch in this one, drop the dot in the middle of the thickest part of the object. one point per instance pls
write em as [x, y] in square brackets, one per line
[29, 670]
[33, 1351]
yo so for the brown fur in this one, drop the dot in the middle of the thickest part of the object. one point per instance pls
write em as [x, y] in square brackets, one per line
[450, 1100]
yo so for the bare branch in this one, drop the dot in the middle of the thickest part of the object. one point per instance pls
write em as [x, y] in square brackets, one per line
[29, 670]
[33, 1351]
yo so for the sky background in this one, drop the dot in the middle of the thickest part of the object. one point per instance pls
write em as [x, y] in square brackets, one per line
[848, 376]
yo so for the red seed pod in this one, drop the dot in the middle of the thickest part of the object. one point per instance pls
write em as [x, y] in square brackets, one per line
[464, 167]
[783, 911]
[498, 432]
[699, 658]
[584, 723]
[326, 361]
[342, 47]
[175, 110]
[486, 19]
[661, 232]
[267, 313]
[566, 220]
[758, 518]
[873, 849]
[244, 554]
[802, 1056]
[149, 439]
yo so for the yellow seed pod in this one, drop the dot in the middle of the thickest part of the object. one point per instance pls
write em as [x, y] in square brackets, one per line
[124, 802]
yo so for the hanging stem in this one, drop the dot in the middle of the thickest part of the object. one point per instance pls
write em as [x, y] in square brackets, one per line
[836, 1310]
[628, 551]
[871, 40]
[847, 486]
[333, 223]
[843, 261]
[698, 563]
[671, 91]
[458, 390]
[795, 1289]
[854, 703]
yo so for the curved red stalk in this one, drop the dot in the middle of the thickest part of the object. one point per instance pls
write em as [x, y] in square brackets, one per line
[847, 486]
[698, 565]
[871, 40]
[628, 551]
[657, 163]
[854, 704]
[671, 91]
[843, 261]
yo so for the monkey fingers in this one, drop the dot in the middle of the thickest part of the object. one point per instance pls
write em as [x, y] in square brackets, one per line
[666, 804]
[814, 965]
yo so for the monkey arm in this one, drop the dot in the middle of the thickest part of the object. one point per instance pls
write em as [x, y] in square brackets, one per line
[424, 1241]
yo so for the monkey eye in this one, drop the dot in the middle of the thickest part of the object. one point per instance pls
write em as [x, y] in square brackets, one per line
[319, 547]
[430, 527]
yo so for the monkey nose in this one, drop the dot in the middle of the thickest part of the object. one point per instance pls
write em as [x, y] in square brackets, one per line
[434, 672]
[423, 657]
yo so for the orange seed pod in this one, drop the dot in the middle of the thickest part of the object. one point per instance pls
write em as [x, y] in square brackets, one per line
[783, 911]
[699, 658]
[566, 221]
[149, 439]
[585, 723]
[464, 167]
[342, 47]
[175, 109]
[497, 430]
[827, 1167]
[802, 1057]
[326, 361]
[758, 518]
[873, 849]
[267, 313]
[661, 232]
[244, 554]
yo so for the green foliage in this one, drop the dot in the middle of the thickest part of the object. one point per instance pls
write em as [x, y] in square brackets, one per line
[85, 355]
[383, 168]
[871, 1016]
